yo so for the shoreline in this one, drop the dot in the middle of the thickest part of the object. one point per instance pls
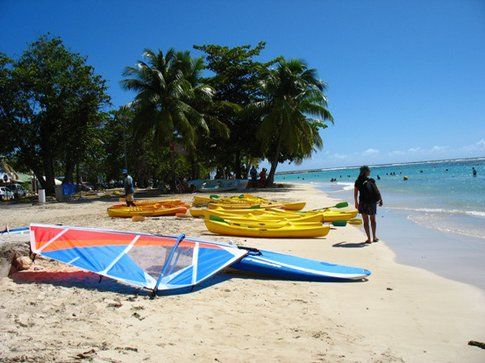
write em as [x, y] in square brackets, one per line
[449, 254]
[402, 313]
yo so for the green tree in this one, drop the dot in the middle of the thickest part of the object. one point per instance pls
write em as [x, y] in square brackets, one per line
[169, 88]
[236, 77]
[9, 107]
[117, 136]
[292, 111]
[57, 105]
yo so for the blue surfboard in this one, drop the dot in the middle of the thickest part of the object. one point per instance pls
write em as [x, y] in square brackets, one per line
[18, 230]
[284, 266]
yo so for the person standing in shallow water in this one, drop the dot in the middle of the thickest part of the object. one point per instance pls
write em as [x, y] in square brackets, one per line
[366, 197]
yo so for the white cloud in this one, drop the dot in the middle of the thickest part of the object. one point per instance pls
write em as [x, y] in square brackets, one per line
[414, 149]
[371, 152]
[478, 146]
[438, 148]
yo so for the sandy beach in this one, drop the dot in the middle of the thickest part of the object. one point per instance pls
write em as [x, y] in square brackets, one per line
[401, 314]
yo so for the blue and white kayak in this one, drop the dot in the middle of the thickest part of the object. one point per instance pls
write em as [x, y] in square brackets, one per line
[284, 266]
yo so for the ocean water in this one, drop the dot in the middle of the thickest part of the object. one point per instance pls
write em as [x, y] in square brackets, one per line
[434, 220]
[441, 195]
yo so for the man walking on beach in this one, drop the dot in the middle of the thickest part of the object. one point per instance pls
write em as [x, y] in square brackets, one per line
[129, 189]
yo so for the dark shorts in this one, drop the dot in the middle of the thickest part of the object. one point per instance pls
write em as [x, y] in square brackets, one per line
[368, 208]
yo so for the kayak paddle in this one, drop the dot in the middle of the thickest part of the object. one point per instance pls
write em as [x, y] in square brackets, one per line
[338, 205]
[339, 223]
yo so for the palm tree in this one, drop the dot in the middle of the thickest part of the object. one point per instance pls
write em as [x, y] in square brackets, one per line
[293, 110]
[169, 89]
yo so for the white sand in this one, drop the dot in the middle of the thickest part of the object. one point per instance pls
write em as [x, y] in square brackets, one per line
[401, 314]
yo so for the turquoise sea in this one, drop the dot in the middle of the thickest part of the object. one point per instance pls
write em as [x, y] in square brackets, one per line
[435, 219]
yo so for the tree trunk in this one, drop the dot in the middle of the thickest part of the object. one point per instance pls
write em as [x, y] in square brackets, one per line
[49, 175]
[47, 160]
[78, 176]
[237, 165]
[274, 165]
[69, 171]
[272, 171]
[172, 168]
[194, 166]
[40, 178]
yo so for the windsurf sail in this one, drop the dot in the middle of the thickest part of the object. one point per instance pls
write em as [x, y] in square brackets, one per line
[138, 259]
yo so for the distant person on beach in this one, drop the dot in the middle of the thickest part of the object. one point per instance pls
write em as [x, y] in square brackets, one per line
[254, 176]
[262, 178]
[129, 189]
[366, 197]
[474, 171]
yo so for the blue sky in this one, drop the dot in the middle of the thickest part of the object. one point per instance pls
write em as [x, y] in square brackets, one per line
[406, 78]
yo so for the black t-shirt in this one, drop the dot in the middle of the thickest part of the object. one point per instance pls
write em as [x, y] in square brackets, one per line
[371, 195]
[359, 184]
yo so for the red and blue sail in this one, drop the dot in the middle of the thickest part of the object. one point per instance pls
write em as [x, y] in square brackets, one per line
[138, 259]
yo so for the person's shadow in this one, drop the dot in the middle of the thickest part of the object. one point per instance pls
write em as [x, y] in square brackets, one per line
[344, 244]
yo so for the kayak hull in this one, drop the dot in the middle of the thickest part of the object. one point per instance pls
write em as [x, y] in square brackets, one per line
[315, 218]
[294, 231]
[294, 206]
[128, 212]
[335, 215]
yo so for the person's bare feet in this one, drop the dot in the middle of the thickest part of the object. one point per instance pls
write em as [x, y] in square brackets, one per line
[368, 242]
[376, 239]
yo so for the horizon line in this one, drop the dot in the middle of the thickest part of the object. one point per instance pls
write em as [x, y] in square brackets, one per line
[376, 165]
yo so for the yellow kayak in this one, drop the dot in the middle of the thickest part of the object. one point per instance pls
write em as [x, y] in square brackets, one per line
[260, 214]
[146, 211]
[214, 205]
[293, 206]
[329, 215]
[243, 201]
[336, 215]
[146, 202]
[314, 218]
[286, 231]
[264, 224]
[356, 221]
[203, 212]
[203, 200]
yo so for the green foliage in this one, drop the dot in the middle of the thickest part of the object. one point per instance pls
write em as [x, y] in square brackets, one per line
[293, 109]
[167, 86]
[236, 76]
[180, 124]
[171, 100]
[8, 104]
[57, 102]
